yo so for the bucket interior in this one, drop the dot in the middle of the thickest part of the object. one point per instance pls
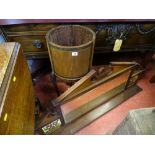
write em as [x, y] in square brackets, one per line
[70, 35]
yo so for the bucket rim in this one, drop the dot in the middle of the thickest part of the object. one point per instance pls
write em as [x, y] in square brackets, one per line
[70, 47]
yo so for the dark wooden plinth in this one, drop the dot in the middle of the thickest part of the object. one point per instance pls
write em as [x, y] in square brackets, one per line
[89, 117]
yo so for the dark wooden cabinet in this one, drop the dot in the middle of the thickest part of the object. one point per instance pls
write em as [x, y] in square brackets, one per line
[135, 38]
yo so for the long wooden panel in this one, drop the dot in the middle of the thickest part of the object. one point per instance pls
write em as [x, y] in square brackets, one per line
[27, 21]
[18, 112]
[85, 120]
[29, 27]
[36, 27]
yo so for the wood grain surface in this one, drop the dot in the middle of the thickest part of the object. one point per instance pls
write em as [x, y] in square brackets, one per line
[32, 30]
[90, 95]
[82, 83]
[28, 21]
[66, 41]
[5, 55]
[17, 115]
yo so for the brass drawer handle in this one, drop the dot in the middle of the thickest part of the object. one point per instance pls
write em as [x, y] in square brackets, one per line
[37, 43]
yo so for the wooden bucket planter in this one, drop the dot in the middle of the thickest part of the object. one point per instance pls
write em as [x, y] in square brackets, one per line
[71, 50]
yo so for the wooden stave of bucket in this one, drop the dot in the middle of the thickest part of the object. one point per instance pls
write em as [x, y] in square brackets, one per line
[65, 65]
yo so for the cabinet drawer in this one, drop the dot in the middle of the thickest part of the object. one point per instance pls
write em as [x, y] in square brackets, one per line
[30, 43]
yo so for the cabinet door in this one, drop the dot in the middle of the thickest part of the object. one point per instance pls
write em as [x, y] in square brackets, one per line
[18, 112]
